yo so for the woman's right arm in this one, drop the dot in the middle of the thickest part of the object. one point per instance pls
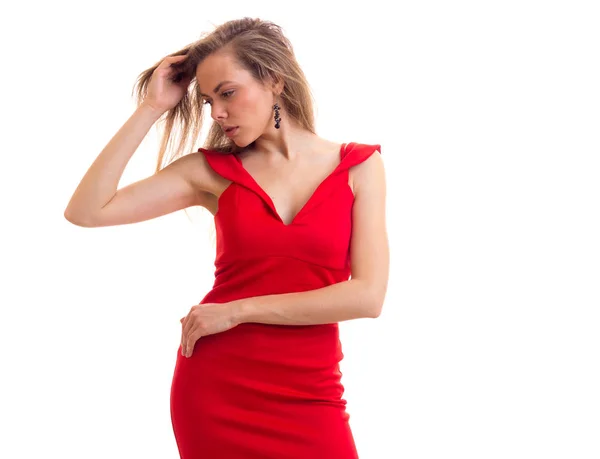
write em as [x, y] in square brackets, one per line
[97, 202]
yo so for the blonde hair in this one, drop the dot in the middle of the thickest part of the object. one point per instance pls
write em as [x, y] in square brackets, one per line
[258, 46]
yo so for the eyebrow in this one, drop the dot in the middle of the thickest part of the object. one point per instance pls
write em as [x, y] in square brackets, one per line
[218, 87]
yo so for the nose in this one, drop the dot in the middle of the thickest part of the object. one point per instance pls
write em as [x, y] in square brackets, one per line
[217, 112]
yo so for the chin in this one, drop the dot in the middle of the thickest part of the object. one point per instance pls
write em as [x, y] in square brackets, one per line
[241, 143]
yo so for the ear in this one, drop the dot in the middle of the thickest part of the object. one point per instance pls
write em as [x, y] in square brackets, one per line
[277, 85]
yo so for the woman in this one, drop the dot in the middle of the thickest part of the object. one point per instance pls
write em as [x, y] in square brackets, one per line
[257, 372]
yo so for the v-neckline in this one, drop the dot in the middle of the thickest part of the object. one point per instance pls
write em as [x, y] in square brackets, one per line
[259, 190]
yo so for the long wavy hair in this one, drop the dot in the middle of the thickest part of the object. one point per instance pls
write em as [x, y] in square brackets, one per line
[258, 46]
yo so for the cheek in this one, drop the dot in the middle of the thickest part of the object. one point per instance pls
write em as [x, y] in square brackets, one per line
[251, 108]
[245, 104]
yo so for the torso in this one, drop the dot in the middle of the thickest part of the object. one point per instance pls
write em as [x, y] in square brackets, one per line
[290, 184]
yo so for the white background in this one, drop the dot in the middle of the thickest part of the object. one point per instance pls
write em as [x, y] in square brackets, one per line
[488, 117]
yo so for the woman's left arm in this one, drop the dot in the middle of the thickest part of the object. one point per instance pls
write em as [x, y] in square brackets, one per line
[361, 296]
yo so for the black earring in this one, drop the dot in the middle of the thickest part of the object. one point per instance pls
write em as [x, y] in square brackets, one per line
[277, 117]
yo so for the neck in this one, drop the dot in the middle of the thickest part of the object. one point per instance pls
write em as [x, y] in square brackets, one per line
[285, 142]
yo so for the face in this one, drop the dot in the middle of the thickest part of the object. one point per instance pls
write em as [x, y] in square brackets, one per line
[235, 97]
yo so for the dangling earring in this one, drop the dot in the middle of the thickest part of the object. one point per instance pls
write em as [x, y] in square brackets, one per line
[277, 117]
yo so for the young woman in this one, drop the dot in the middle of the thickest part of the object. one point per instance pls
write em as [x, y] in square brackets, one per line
[301, 243]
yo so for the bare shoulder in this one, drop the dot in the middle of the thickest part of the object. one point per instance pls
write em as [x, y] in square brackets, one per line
[373, 163]
[368, 173]
[196, 169]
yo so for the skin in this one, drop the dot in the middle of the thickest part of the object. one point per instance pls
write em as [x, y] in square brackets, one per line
[289, 163]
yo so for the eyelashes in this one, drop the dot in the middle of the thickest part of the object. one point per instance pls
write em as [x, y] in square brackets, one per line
[225, 95]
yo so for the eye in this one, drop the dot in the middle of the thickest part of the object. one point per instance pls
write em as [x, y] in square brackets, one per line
[225, 95]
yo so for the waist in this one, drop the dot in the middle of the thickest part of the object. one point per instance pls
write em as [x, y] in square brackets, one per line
[269, 277]
[284, 362]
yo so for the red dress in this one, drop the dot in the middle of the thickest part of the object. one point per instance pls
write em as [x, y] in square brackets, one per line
[262, 391]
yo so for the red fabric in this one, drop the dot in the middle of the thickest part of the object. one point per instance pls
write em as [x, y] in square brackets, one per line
[261, 391]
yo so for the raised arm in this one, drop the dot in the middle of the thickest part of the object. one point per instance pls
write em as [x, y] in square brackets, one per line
[97, 201]
[183, 183]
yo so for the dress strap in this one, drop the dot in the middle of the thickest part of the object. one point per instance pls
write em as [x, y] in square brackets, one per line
[227, 166]
[222, 163]
[356, 153]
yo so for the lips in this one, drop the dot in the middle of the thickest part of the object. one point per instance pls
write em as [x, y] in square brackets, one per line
[230, 128]
[230, 132]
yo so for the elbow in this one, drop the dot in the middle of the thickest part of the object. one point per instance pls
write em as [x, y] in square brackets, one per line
[376, 310]
[372, 295]
[77, 221]
[376, 300]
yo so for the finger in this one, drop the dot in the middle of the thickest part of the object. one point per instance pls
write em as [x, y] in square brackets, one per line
[188, 324]
[190, 346]
[192, 337]
[167, 61]
[185, 322]
[190, 341]
[171, 59]
[184, 346]
[184, 325]
[186, 331]
[182, 337]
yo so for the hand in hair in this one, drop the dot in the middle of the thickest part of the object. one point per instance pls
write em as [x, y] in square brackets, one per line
[166, 88]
